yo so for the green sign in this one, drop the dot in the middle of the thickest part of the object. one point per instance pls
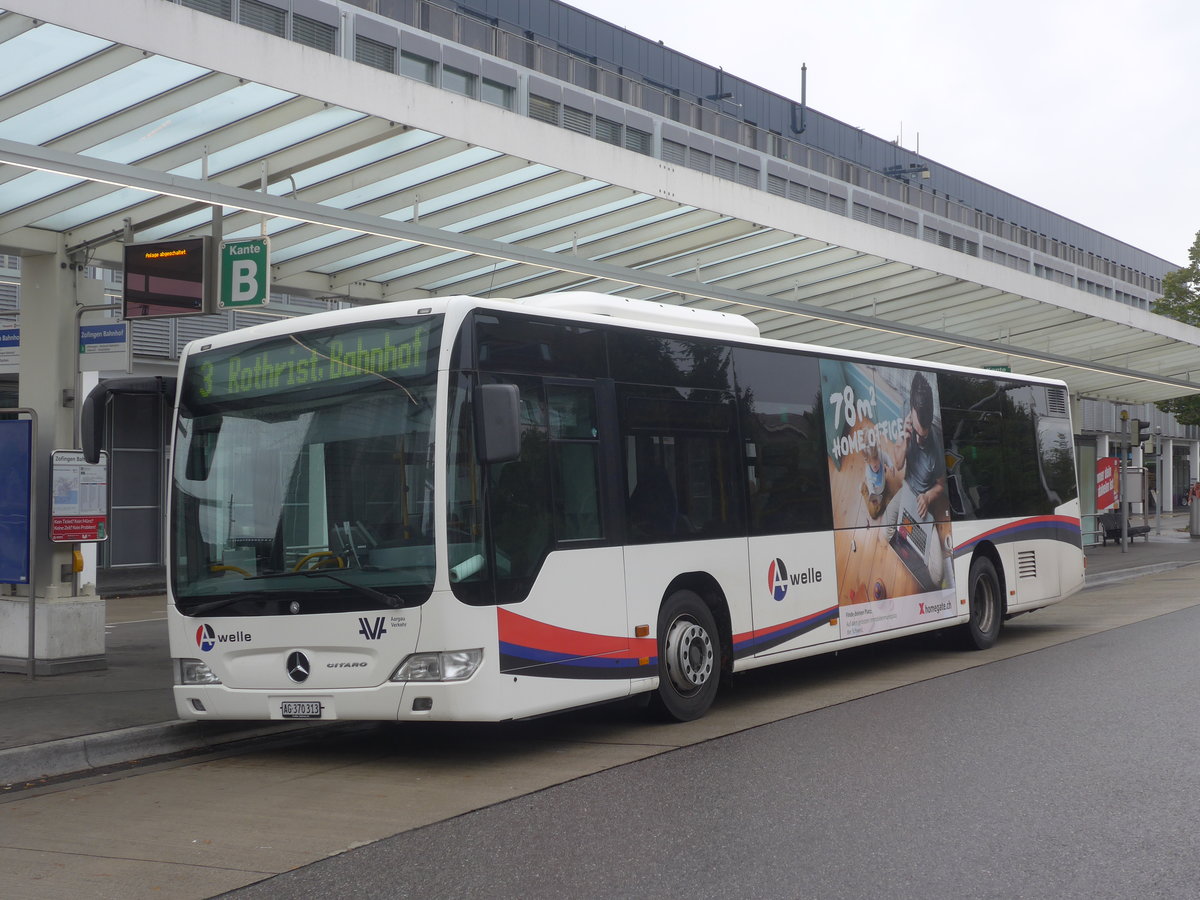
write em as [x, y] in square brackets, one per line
[245, 274]
[999, 368]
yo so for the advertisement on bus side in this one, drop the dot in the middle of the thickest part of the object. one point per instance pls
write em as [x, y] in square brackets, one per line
[891, 512]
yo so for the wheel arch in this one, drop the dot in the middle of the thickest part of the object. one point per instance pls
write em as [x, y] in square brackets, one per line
[988, 550]
[713, 595]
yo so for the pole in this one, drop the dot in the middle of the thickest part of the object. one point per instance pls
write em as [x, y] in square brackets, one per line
[1124, 482]
[77, 412]
[1158, 478]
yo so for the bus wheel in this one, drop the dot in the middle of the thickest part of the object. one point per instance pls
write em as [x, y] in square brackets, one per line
[986, 606]
[688, 657]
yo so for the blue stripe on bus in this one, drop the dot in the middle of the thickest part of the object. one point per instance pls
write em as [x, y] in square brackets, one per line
[1049, 528]
[757, 641]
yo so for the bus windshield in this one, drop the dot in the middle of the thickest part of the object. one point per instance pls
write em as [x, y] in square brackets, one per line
[303, 472]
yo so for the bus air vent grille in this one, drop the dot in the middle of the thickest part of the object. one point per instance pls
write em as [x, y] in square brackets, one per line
[1056, 401]
[1027, 564]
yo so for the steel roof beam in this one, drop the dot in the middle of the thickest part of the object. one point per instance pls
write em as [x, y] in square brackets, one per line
[192, 191]
[62, 81]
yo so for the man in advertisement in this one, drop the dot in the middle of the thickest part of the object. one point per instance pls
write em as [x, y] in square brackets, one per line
[921, 460]
[887, 471]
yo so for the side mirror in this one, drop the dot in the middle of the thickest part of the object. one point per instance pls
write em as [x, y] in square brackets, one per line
[91, 419]
[497, 422]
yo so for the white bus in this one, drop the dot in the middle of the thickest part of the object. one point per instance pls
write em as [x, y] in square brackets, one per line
[466, 509]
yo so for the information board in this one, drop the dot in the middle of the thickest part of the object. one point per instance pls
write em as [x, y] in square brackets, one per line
[167, 278]
[78, 498]
[16, 450]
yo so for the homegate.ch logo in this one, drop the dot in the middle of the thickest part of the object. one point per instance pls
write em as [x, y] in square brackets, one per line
[372, 631]
[206, 638]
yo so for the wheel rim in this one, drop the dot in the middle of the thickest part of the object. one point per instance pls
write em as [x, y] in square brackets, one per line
[689, 655]
[983, 604]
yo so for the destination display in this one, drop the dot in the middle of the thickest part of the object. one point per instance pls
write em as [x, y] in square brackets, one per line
[377, 351]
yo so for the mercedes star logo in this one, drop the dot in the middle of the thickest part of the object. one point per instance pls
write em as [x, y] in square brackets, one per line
[298, 667]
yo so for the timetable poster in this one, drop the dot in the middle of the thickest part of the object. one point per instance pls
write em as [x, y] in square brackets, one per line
[79, 498]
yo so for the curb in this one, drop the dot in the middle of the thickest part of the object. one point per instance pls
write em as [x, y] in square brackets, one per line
[1100, 580]
[52, 759]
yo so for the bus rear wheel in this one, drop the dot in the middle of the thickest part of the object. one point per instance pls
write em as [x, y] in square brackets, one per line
[985, 604]
[689, 666]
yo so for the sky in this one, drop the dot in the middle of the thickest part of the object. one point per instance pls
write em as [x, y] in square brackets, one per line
[1089, 108]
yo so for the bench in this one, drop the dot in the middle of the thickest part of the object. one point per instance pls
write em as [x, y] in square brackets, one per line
[1110, 527]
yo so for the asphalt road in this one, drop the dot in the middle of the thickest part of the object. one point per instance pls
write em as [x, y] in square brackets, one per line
[1057, 763]
[1069, 772]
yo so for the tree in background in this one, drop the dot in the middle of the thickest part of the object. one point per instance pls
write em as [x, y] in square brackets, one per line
[1181, 301]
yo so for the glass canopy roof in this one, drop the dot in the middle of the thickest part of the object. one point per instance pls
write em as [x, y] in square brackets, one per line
[94, 131]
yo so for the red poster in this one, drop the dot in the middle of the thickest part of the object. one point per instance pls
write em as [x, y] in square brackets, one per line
[1108, 469]
[70, 529]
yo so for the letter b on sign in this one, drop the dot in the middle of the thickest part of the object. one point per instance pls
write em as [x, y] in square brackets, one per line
[245, 274]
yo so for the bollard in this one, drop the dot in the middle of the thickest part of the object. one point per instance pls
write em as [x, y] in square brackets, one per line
[1194, 517]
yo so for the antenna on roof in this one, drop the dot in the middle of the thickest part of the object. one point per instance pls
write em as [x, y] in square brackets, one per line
[803, 124]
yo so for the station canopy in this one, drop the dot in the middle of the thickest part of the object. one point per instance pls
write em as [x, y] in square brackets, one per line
[376, 187]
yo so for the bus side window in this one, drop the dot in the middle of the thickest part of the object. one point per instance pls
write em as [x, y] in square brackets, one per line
[783, 430]
[575, 462]
[520, 493]
[681, 459]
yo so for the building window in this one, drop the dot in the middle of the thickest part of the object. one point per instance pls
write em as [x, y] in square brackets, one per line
[577, 120]
[608, 131]
[495, 93]
[458, 81]
[639, 141]
[747, 176]
[374, 54]
[312, 33]
[221, 8]
[543, 110]
[262, 17]
[418, 67]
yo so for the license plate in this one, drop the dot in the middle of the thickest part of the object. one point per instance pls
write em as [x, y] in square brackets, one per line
[300, 709]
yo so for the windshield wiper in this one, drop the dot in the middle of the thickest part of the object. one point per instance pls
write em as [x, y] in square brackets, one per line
[361, 589]
[377, 596]
[214, 605]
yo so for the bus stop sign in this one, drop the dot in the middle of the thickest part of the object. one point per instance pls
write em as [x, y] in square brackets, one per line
[245, 274]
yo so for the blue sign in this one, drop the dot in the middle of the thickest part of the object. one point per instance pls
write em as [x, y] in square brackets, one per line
[10, 350]
[98, 335]
[16, 452]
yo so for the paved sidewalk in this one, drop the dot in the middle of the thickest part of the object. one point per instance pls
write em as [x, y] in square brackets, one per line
[56, 725]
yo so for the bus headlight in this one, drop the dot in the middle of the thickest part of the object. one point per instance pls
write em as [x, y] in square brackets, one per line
[195, 671]
[447, 665]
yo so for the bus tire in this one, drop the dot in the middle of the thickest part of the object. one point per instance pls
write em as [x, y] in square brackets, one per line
[689, 657]
[985, 605]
